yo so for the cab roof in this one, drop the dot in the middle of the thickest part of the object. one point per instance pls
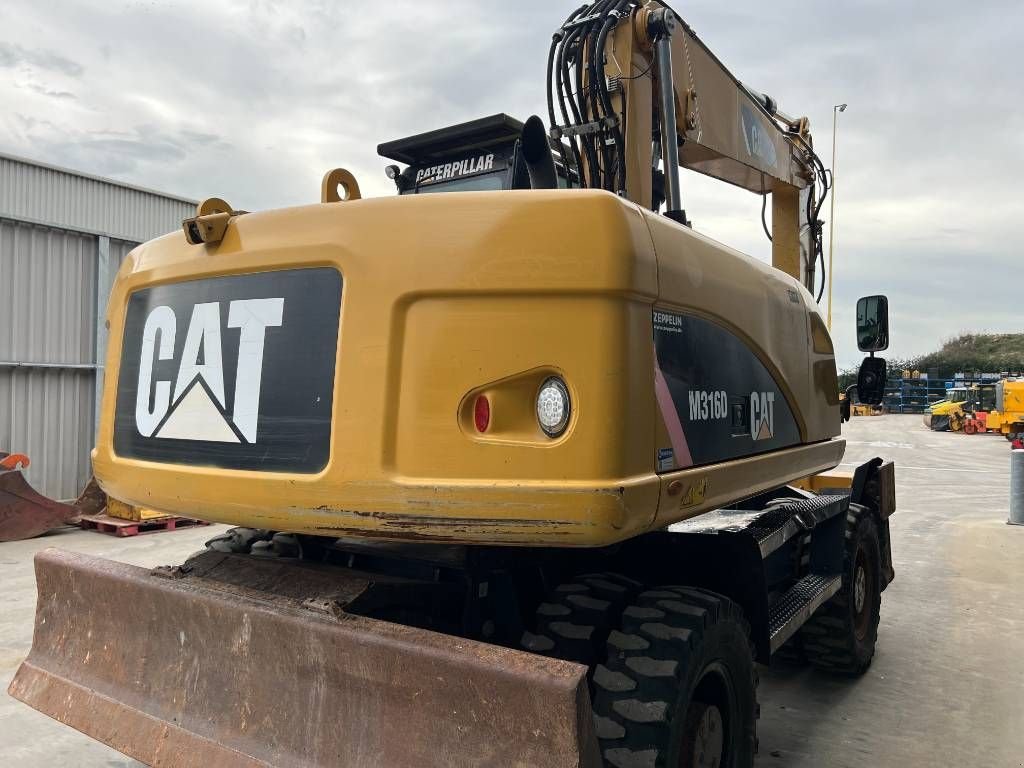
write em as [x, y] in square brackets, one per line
[481, 133]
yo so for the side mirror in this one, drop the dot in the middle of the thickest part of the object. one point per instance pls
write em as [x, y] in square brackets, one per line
[871, 381]
[873, 323]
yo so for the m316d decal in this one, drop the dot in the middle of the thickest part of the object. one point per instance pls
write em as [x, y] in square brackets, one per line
[717, 399]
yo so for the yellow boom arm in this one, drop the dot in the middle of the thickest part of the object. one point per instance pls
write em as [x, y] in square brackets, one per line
[637, 90]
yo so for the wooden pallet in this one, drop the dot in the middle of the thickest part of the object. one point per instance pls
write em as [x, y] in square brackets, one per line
[115, 526]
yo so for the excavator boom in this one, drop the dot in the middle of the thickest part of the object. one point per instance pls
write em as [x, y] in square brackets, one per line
[620, 74]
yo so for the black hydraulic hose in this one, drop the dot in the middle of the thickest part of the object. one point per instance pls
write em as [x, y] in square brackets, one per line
[565, 87]
[609, 137]
[554, 83]
[821, 259]
[620, 151]
[596, 80]
[594, 147]
[561, 71]
[592, 95]
[578, 102]
[577, 118]
[574, 109]
[614, 161]
[551, 102]
[764, 221]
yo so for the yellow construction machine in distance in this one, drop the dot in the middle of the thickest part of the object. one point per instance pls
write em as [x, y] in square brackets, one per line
[948, 414]
[1007, 418]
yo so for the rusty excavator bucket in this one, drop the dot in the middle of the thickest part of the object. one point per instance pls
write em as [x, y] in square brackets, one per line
[24, 513]
[186, 667]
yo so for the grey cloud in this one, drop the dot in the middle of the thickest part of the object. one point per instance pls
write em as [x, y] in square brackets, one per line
[13, 55]
[52, 94]
[258, 101]
[203, 139]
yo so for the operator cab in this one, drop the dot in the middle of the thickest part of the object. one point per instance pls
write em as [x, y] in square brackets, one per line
[956, 394]
[481, 155]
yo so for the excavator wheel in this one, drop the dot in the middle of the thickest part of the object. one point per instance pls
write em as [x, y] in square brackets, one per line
[841, 636]
[679, 686]
[574, 621]
[238, 540]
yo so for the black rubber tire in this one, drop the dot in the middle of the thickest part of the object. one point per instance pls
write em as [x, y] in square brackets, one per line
[678, 649]
[574, 620]
[839, 637]
[791, 653]
[237, 540]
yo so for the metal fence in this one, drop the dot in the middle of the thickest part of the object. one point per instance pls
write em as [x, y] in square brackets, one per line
[63, 236]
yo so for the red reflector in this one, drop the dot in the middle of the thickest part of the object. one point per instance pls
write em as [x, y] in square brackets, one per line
[482, 414]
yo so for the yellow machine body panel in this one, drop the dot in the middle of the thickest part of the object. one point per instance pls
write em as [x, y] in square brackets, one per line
[444, 299]
[1008, 416]
[1011, 396]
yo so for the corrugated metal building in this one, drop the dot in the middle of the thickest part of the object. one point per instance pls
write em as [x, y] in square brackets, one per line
[63, 235]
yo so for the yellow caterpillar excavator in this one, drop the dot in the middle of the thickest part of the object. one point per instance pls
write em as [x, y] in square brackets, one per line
[527, 472]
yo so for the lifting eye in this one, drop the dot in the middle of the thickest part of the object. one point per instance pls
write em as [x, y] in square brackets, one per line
[339, 186]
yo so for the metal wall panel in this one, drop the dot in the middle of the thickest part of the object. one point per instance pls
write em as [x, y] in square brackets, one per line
[38, 192]
[119, 250]
[47, 294]
[62, 237]
[46, 413]
[47, 305]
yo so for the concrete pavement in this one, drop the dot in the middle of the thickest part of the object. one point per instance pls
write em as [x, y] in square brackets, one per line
[946, 687]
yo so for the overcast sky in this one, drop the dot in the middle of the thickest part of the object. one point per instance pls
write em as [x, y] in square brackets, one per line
[254, 101]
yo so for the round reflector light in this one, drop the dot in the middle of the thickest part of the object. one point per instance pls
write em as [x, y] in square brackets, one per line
[553, 406]
[482, 413]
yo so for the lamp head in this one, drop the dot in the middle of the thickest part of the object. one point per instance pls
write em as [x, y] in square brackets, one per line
[841, 107]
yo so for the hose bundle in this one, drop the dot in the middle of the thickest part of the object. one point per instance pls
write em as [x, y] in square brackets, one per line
[577, 84]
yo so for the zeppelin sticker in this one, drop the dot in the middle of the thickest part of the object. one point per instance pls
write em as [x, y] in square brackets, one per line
[717, 398]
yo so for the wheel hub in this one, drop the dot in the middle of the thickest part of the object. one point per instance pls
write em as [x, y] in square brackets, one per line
[860, 589]
[708, 738]
[863, 591]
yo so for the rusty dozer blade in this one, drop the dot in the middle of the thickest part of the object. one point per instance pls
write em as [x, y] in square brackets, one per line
[179, 670]
[24, 513]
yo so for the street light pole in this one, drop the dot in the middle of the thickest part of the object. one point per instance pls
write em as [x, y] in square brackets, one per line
[832, 215]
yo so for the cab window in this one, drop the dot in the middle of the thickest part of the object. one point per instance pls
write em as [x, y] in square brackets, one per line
[484, 183]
